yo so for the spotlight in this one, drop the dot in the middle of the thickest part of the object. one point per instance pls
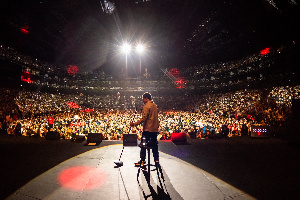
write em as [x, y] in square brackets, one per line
[126, 48]
[140, 48]
[107, 6]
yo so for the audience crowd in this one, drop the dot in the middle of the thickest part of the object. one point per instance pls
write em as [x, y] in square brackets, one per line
[31, 113]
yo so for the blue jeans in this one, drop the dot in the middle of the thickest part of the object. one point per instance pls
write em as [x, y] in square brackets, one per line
[150, 136]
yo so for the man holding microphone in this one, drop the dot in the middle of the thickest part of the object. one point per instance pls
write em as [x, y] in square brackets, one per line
[150, 127]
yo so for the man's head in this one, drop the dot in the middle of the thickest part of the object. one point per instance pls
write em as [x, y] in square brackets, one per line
[146, 97]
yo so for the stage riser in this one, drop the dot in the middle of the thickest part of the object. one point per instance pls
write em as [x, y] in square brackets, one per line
[130, 139]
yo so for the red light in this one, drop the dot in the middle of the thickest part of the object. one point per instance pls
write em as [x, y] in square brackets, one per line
[72, 69]
[72, 105]
[26, 77]
[82, 177]
[174, 72]
[180, 83]
[24, 29]
[258, 133]
[265, 51]
[87, 110]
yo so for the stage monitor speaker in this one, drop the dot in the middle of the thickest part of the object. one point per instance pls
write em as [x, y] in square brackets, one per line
[52, 135]
[259, 132]
[94, 138]
[78, 138]
[178, 137]
[129, 139]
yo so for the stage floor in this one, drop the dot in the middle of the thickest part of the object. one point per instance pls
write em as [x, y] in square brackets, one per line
[93, 175]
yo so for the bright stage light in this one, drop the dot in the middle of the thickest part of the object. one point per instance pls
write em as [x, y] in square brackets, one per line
[126, 48]
[140, 48]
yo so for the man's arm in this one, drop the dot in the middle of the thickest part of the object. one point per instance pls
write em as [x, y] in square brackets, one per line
[143, 118]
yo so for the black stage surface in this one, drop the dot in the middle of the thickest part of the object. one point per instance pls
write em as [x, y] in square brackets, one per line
[263, 168]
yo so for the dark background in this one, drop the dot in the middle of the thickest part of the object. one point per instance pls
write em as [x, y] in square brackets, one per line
[177, 33]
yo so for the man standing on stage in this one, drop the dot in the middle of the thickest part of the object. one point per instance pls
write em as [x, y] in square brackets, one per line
[150, 127]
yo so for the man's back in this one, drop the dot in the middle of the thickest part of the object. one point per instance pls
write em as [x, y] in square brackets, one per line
[151, 122]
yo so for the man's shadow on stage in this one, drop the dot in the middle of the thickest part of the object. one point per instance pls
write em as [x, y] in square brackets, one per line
[164, 188]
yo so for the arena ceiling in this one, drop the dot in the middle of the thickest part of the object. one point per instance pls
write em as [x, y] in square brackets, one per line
[176, 32]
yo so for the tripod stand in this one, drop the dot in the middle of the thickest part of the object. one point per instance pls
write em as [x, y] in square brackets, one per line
[147, 146]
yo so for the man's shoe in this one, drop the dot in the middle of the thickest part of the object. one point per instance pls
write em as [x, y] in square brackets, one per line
[140, 163]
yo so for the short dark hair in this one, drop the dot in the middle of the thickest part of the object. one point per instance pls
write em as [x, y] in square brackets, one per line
[147, 95]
